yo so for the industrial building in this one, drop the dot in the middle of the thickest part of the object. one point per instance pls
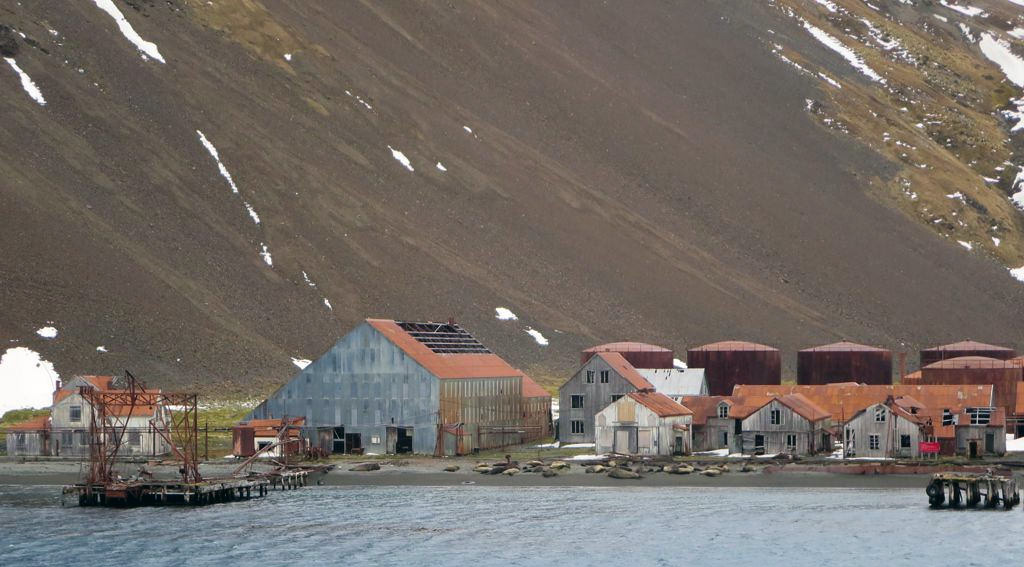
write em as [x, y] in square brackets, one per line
[844, 362]
[644, 423]
[729, 363]
[398, 386]
[964, 348]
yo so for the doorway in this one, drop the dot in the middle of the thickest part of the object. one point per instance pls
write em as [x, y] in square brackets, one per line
[677, 448]
[725, 439]
[354, 443]
[338, 440]
[973, 449]
[990, 443]
[758, 444]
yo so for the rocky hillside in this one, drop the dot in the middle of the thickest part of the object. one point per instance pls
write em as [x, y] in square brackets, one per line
[207, 190]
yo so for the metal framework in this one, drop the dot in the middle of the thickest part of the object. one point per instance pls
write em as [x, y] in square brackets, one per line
[112, 410]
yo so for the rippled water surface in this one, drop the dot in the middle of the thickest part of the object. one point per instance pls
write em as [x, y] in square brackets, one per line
[471, 525]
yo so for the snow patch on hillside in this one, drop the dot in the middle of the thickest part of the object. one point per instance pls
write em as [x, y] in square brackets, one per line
[305, 277]
[969, 11]
[252, 212]
[27, 83]
[146, 47]
[537, 336]
[302, 363]
[998, 52]
[504, 314]
[966, 245]
[845, 52]
[101, 349]
[216, 157]
[327, 304]
[265, 254]
[26, 380]
[440, 167]
[401, 158]
[47, 332]
[1018, 273]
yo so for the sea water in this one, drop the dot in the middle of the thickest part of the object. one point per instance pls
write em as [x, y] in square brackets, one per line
[473, 525]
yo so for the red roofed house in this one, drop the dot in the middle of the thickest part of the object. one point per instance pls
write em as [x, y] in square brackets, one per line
[644, 423]
[890, 429]
[29, 437]
[789, 424]
[604, 377]
[397, 386]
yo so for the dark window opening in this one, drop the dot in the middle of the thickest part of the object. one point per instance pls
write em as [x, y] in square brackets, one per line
[576, 401]
[577, 426]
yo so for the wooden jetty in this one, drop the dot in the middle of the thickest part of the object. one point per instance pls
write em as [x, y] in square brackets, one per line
[170, 492]
[968, 490]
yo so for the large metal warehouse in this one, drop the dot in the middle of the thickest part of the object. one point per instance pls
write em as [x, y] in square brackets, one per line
[396, 386]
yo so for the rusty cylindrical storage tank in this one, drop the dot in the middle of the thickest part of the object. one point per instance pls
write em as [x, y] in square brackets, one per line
[640, 355]
[965, 348]
[729, 363]
[844, 362]
[1004, 375]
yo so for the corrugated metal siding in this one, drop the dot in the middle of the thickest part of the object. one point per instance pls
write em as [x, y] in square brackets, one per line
[967, 433]
[830, 366]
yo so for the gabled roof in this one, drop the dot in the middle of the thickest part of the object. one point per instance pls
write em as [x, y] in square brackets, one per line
[38, 423]
[660, 404]
[844, 346]
[444, 365]
[804, 407]
[626, 370]
[704, 407]
[900, 407]
[844, 400]
[532, 389]
[676, 381]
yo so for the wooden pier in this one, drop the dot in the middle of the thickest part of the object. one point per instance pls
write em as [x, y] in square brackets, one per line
[966, 490]
[176, 492]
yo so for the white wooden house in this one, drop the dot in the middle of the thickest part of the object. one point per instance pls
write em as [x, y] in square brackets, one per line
[890, 429]
[644, 423]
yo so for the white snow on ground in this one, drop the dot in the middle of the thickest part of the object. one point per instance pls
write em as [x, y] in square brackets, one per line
[252, 212]
[830, 6]
[1015, 116]
[998, 51]
[970, 11]
[441, 167]
[101, 349]
[504, 314]
[1014, 445]
[302, 363]
[554, 408]
[265, 254]
[996, 241]
[1017, 2]
[287, 56]
[26, 380]
[678, 363]
[216, 157]
[839, 47]
[966, 245]
[579, 446]
[401, 158]
[585, 457]
[537, 336]
[942, 18]
[1016, 32]
[715, 453]
[547, 445]
[146, 47]
[47, 332]
[879, 36]
[26, 82]
[468, 129]
[327, 304]
[1018, 273]
[309, 282]
[958, 195]
[966, 30]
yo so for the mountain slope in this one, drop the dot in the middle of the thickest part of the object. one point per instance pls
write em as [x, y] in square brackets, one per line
[647, 172]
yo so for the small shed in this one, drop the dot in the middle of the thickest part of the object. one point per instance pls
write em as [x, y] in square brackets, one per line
[644, 423]
[29, 438]
[248, 437]
[981, 432]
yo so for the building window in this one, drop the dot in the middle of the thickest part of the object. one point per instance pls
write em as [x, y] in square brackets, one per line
[880, 414]
[947, 417]
[66, 439]
[775, 416]
[615, 397]
[75, 414]
[375, 439]
[980, 416]
[577, 426]
[19, 441]
[904, 441]
[590, 376]
[134, 438]
[604, 376]
[723, 410]
[790, 441]
[576, 401]
[873, 442]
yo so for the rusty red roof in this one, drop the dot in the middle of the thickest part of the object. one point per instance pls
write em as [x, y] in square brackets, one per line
[38, 423]
[844, 346]
[704, 407]
[970, 362]
[444, 365]
[532, 389]
[660, 404]
[969, 345]
[626, 346]
[844, 400]
[626, 370]
[274, 423]
[734, 346]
